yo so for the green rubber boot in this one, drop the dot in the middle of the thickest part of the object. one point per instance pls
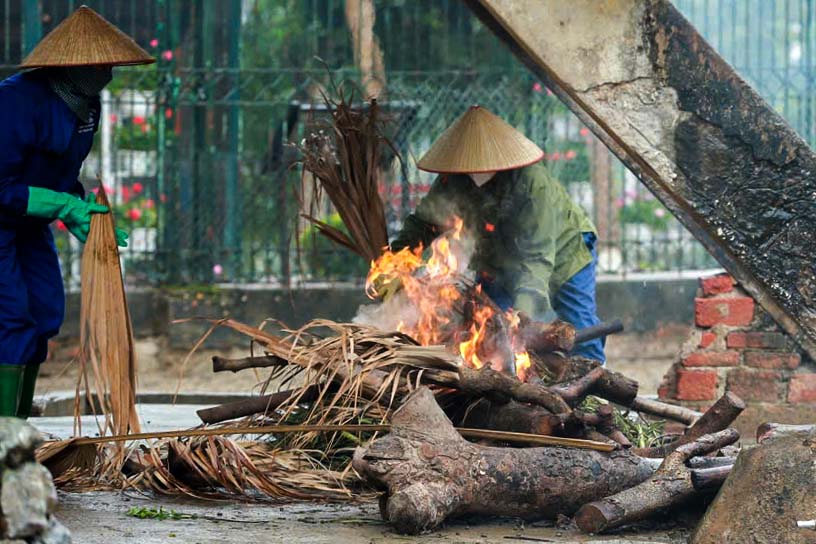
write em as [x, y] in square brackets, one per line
[11, 383]
[27, 391]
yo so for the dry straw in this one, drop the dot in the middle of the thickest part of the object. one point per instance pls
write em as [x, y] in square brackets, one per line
[107, 359]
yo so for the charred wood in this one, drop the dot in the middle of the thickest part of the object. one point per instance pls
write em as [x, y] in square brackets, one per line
[221, 364]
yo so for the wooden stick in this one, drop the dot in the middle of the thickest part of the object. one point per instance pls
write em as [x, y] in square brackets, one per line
[251, 406]
[664, 410]
[221, 364]
[519, 438]
[488, 381]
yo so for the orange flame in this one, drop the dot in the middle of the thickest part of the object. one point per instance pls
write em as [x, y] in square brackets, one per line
[430, 286]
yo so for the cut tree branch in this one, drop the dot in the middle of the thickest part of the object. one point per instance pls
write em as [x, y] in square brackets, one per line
[221, 364]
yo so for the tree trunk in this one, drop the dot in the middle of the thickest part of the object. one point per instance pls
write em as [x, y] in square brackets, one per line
[431, 473]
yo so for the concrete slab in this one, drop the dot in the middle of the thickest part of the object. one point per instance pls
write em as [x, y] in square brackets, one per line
[101, 518]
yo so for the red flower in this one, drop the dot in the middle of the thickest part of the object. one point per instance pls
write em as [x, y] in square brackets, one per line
[149, 204]
[571, 154]
[138, 120]
[555, 156]
[60, 226]
[490, 227]
[137, 188]
[162, 198]
[113, 117]
[537, 87]
[108, 190]
[584, 132]
[168, 113]
[125, 194]
[134, 214]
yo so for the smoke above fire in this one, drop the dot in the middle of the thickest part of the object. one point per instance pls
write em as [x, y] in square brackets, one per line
[434, 302]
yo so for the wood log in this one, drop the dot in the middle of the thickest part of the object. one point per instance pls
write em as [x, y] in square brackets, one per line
[664, 410]
[721, 414]
[221, 364]
[768, 430]
[252, 406]
[547, 337]
[509, 416]
[670, 485]
[430, 473]
[486, 381]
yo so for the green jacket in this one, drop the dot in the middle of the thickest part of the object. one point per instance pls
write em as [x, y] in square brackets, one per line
[527, 230]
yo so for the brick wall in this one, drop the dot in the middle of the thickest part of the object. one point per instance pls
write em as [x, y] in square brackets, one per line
[735, 346]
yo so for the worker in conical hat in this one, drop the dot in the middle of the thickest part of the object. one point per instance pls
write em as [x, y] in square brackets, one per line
[49, 113]
[535, 248]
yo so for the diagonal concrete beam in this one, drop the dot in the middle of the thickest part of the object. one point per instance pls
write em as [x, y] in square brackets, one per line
[705, 143]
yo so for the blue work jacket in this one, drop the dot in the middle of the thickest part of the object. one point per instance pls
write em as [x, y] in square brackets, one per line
[42, 144]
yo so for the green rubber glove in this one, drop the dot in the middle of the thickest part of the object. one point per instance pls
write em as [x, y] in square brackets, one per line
[121, 235]
[11, 383]
[74, 212]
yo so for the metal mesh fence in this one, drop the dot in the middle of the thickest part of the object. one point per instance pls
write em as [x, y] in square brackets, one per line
[194, 148]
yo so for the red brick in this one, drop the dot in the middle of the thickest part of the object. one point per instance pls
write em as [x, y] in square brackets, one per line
[754, 385]
[664, 392]
[755, 339]
[696, 384]
[716, 285]
[802, 388]
[707, 339]
[734, 311]
[713, 358]
[770, 359]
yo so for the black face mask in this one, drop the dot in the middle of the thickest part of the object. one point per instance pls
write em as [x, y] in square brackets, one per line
[79, 86]
[88, 80]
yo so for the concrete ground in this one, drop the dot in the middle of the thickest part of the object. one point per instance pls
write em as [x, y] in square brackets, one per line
[101, 518]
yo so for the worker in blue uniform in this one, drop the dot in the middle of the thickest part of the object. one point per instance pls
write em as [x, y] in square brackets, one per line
[48, 113]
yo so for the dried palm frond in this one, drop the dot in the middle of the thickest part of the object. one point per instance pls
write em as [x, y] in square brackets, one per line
[345, 159]
[107, 359]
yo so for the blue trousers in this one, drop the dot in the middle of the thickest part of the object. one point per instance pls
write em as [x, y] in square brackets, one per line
[32, 300]
[574, 302]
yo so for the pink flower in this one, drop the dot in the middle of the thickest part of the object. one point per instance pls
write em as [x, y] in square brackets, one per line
[584, 132]
[60, 226]
[549, 92]
[571, 154]
[108, 190]
[137, 188]
[537, 87]
[154, 42]
[113, 118]
[134, 214]
[218, 269]
[620, 203]
[660, 213]
[95, 190]
[125, 194]
[631, 194]
[167, 55]
[555, 156]
[168, 113]
[149, 204]
[138, 120]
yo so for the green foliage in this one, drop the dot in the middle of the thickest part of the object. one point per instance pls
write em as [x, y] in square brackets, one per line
[325, 259]
[646, 212]
[159, 513]
[640, 432]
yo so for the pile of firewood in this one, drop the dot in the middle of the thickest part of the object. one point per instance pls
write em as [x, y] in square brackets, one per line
[429, 472]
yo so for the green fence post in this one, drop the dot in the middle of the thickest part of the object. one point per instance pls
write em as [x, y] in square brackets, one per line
[32, 25]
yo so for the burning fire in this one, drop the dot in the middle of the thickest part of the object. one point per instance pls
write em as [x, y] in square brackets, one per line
[431, 287]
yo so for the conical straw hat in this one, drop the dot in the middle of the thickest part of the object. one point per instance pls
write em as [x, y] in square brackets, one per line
[84, 39]
[479, 141]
